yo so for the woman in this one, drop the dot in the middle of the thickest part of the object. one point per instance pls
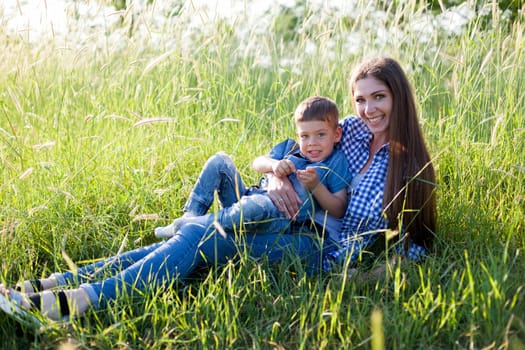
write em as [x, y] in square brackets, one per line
[393, 191]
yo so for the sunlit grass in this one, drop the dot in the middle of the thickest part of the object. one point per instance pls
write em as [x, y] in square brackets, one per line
[99, 147]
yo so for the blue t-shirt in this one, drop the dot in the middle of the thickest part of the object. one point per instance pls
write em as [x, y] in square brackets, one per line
[333, 172]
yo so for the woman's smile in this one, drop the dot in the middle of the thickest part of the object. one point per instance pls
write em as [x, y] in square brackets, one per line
[373, 102]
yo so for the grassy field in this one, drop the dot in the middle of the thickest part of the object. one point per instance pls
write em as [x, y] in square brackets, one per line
[98, 147]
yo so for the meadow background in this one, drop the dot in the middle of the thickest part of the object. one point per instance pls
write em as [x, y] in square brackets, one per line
[109, 110]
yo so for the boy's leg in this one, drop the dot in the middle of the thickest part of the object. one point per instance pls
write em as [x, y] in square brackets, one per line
[253, 213]
[220, 175]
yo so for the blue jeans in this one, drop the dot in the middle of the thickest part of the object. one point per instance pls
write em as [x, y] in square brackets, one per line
[250, 207]
[198, 243]
[194, 245]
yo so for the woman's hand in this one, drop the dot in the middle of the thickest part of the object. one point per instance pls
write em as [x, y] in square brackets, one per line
[379, 273]
[283, 195]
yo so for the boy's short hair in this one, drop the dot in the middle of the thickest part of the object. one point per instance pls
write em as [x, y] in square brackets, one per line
[317, 108]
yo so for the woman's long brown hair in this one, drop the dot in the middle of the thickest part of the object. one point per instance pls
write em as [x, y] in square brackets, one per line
[409, 196]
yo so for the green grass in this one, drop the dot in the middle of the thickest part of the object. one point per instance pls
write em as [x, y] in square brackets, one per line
[78, 175]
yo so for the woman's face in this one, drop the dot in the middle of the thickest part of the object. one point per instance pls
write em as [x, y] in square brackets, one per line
[373, 102]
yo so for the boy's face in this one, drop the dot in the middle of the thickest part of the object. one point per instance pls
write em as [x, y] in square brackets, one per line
[317, 138]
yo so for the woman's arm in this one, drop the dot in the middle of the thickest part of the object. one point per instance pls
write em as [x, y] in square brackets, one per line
[283, 195]
[280, 189]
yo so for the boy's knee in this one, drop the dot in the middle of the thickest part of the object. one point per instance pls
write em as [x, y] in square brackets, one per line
[219, 159]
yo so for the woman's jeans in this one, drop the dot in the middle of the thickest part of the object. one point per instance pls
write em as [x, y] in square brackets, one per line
[199, 243]
[175, 259]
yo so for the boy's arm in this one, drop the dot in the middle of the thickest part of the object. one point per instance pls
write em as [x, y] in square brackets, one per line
[280, 168]
[334, 203]
[263, 164]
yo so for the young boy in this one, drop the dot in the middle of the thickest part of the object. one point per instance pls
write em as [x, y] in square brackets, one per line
[318, 172]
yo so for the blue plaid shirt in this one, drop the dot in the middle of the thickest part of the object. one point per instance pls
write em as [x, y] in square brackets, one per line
[364, 217]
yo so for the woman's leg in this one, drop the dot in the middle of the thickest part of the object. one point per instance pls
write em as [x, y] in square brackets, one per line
[196, 245]
[166, 262]
[172, 260]
[305, 246]
[175, 259]
[89, 272]
[57, 305]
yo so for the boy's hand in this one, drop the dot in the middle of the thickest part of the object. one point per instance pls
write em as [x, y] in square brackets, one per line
[308, 178]
[283, 168]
